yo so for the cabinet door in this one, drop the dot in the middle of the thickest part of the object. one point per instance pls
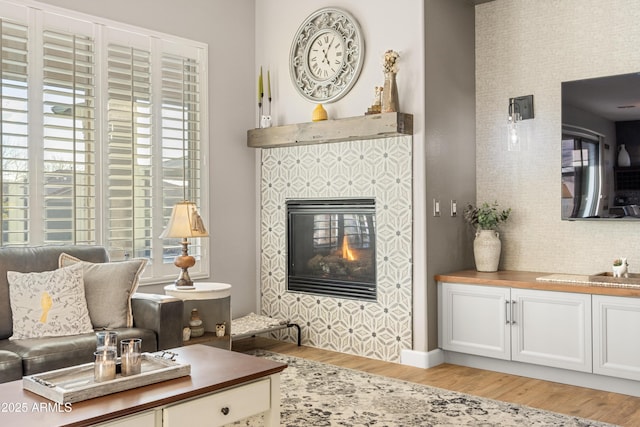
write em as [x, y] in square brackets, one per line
[473, 319]
[552, 329]
[616, 336]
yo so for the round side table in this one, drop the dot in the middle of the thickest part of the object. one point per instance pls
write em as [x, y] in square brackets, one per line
[213, 301]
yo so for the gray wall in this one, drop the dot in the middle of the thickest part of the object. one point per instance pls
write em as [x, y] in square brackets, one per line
[449, 140]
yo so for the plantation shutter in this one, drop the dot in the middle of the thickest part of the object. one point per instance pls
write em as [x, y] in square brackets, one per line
[69, 138]
[130, 157]
[14, 173]
[181, 142]
[100, 134]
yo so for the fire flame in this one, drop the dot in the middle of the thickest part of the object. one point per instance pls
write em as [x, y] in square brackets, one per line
[346, 252]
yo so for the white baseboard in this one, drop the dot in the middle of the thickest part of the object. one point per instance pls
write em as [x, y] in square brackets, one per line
[564, 376]
[421, 359]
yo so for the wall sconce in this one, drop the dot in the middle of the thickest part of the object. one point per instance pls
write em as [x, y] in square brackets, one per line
[520, 108]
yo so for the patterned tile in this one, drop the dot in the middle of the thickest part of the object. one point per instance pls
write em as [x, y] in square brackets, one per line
[380, 168]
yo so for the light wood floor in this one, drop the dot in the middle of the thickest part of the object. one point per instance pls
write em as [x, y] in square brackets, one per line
[603, 406]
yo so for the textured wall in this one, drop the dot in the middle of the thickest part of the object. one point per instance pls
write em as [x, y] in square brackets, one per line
[530, 47]
[380, 169]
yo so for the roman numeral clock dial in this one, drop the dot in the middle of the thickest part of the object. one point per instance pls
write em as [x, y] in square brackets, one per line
[326, 55]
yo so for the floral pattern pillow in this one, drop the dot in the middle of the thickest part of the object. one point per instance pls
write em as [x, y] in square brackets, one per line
[48, 304]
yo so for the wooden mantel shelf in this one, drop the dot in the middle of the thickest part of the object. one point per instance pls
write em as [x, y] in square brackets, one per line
[370, 126]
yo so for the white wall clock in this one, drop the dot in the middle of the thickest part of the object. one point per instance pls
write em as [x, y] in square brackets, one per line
[326, 55]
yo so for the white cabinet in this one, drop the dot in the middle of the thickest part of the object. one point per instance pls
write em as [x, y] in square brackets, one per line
[220, 408]
[551, 328]
[473, 319]
[214, 409]
[616, 336]
[540, 327]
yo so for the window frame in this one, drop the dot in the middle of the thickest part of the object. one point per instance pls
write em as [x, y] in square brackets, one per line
[39, 17]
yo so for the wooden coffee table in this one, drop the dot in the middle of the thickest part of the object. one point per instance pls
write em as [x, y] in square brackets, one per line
[223, 387]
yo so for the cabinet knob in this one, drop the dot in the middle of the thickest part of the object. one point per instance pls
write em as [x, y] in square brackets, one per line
[225, 410]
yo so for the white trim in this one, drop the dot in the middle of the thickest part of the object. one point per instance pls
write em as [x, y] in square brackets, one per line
[70, 13]
[420, 359]
[563, 376]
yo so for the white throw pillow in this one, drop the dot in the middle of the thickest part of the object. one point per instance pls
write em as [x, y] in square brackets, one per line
[108, 287]
[48, 304]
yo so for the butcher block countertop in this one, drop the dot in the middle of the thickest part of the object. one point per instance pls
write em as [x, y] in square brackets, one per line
[576, 283]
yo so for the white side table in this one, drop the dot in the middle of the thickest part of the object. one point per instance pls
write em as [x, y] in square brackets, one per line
[213, 301]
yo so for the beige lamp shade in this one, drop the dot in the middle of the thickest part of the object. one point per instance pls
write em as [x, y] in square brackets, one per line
[185, 222]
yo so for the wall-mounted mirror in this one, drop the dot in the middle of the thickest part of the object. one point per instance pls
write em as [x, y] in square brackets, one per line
[601, 118]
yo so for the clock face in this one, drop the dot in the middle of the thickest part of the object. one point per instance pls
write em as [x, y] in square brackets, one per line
[326, 55]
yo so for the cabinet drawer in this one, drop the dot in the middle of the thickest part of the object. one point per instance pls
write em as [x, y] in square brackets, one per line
[221, 408]
[146, 419]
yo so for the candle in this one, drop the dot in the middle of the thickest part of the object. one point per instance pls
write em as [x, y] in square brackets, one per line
[260, 88]
[131, 356]
[269, 84]
[104, 368]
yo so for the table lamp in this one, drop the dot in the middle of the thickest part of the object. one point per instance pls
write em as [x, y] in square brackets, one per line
[185, 223]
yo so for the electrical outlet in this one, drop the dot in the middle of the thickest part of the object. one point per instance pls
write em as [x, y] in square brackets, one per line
[436, 207]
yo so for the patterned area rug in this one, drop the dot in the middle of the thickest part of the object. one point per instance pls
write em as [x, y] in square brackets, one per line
[316, 394]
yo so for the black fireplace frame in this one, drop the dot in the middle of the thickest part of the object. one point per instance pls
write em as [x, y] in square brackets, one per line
[350, 289]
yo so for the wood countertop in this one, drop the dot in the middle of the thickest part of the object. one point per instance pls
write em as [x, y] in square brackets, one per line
[529, 280]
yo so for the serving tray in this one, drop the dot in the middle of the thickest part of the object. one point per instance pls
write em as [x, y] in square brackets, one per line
[76, 383]
[632, 279]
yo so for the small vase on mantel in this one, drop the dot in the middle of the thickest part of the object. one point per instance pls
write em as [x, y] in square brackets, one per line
[390, 101]
[486, 250]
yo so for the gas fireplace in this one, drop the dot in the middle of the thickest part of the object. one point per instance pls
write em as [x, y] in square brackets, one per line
[332, 247]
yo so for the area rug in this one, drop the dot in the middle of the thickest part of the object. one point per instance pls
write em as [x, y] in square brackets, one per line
[316, 395]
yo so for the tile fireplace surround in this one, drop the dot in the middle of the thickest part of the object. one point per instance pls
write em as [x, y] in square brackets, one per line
[376, 168]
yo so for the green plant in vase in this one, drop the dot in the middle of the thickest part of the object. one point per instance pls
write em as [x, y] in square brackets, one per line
[486, 218]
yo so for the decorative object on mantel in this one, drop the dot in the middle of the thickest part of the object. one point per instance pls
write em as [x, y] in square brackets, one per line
[376, 107]
[390, 102]
[319, 114]
[264, 119]
[326, 55]
[620, 267]
[624, 161]
[486, 245]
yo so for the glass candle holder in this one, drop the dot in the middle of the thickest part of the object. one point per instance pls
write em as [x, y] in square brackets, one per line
[104, 368]
[107, 340]
[131, 356]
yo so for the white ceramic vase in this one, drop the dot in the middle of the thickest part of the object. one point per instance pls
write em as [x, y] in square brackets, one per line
[486, 250]
[624, 161]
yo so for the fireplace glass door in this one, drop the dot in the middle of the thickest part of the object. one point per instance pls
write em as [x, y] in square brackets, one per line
[332, 247]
